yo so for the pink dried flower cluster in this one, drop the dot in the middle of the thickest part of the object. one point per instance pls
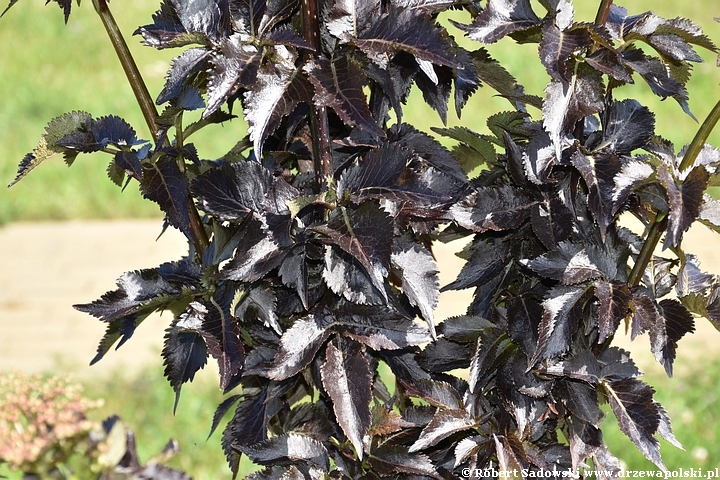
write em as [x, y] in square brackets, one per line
[42, 420]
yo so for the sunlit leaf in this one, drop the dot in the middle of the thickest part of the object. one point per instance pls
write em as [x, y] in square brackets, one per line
[347, 379]
[501, 18]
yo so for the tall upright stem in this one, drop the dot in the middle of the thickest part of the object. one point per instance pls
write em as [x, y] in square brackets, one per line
[129, 66]
[319, 126]
[147, 106]
[603, 12]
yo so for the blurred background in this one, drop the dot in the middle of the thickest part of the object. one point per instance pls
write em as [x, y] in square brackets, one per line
[67, 234]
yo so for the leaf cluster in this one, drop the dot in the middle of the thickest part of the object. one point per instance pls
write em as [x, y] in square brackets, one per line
[310, 278]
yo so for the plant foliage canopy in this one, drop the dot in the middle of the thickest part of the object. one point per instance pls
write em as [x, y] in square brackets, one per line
[310, 278]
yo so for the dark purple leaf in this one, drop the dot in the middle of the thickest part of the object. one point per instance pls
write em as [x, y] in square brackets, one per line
[388, 459]
[646, 313]
[311, 419]
[248, 15]
[566, 103]
[675, 323]
[558, 45]
[419, 274]
[410, 31]
[443, 355]
[617, 365]
[276, 11]
[191, 62]
[221, 410]
[95, 135]
[339, 85]
[507, 454]
[463, 328]
[210, 17]
[120, 329]
[599, 171]
[364, 233]
[559, 321]
[657, 76]
[298, 347]
[164, 183]
[429, 149]
[184, 351]
[493, 208]
[384, 173]
[113, 130]
[443, 424]
[501, 18]
[381, 328]
[236, 189]
[487, 259]
[257, 253]
[675, 47]
[685, 200]
[620, 25]
[179, 23]
[524, 314]
[627, 125]
[658, 276]
[632, 175]
[614, 301]
[222, 337]
[570, 264]
[551, 221]
[248, 425]
[288, 449]
[275, 95]
[234, 65]
[539, 157]
[637, 414]
[138, 292]
[348, 18]
[435, 392]
[347, 379]
[166, 30]
[691, 279]
[466, 80]
[345, 276]
[586, 442]
[581, 399]
[435, 83]
[259, 304]
[608, 62]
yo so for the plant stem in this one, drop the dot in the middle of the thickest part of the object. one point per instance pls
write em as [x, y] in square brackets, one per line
[129, 66]
[655, 231]
[603, 12]
[646, 252]
[319, 126]
[147, 106]
[701, 137]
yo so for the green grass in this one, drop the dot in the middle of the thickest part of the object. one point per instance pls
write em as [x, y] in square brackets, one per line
[49, 68]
